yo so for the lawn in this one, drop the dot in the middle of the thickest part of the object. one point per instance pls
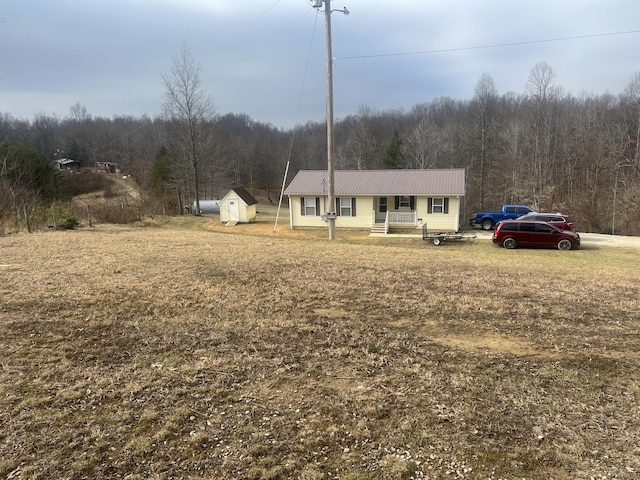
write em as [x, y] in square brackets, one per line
[180, 348]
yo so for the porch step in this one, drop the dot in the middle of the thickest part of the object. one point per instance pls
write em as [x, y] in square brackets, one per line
[378, 228]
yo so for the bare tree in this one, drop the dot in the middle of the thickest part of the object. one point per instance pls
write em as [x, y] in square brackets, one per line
[187, 109]
[78, 113]
[544, 96]
[632, 98]
[419, 145]
[361, 146]
[483, 109]
[46, 130]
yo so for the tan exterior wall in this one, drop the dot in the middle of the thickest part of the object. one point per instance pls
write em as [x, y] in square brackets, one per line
[362, 219]
[365, 207]
[449, 222]
[296, 219]
[249, 214]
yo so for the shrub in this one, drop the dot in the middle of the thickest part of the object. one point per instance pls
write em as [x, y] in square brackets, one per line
[60, 216]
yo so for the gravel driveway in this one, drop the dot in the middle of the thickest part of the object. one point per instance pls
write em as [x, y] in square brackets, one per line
[612, 240]
[585, 239]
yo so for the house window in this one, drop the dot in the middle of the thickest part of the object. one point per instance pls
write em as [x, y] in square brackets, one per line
[346, 206]
[383, 204]
[438, 205]
[310, 206]
[405, 202]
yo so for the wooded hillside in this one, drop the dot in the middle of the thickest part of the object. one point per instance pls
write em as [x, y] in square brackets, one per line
[543, 147]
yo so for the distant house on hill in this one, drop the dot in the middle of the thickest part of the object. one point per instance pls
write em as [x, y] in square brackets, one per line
[67, 164]
[238, 206]
[108, 167]
[379, 200]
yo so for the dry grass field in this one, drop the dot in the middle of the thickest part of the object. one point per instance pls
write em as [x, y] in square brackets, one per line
[180, 348]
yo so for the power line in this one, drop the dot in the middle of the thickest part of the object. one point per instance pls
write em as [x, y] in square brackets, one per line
[481, 47]
[256, 20]
[295, 125]
[129, 133]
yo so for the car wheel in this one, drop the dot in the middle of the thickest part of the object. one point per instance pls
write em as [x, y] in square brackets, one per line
[564, 244]
[436, 241]
[510, 243]
[487, 225]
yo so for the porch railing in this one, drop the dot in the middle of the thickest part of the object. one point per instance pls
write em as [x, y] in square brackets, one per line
[402, 218]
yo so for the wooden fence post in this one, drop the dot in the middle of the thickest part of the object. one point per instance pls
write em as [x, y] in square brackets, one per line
[26, 217]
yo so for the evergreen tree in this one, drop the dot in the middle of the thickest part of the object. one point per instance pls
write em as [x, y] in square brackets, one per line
[161, 170]
[394, 158]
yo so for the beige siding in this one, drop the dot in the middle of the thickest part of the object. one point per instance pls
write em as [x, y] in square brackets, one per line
[364, 212]
[364, 215]
[298, 220]
[365, 207]
[249, 214]
[449, 222]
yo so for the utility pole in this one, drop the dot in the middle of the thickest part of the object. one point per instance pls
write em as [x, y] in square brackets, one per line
[331, 196]
[330, 150]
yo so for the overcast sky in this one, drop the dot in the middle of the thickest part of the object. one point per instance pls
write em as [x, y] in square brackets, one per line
[266, 58]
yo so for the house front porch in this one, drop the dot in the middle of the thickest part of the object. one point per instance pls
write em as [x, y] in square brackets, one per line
[397, 221]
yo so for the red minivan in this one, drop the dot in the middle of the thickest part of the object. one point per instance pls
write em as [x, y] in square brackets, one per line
[519, 233]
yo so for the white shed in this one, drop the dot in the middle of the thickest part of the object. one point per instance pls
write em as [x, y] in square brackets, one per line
[238, 206]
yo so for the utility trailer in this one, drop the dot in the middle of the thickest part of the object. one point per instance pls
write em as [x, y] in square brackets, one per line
[438, 237]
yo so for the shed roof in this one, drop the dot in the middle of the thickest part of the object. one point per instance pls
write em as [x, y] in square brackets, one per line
[244, 195]
[66, 161]
[380, 182]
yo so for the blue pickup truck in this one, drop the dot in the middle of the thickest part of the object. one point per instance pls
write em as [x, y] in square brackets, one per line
[488, 220]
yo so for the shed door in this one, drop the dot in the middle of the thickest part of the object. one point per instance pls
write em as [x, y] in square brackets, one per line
[234, 210]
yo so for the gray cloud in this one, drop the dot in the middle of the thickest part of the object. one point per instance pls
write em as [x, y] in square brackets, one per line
[266, 58]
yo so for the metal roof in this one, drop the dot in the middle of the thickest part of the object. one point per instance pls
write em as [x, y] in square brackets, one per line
[380, 182]
[65, 161]
[244, 195]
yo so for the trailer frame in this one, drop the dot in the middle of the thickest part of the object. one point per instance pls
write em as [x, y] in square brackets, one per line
[437, 238]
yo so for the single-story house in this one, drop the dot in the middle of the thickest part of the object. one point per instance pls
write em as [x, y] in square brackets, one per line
[67, 164]
[379, 199]
[238, 206]
[108, 167]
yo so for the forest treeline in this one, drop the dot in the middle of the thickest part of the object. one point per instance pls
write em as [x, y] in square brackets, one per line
[544, 147]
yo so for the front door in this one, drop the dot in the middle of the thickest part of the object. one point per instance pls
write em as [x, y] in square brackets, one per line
[381, 209]
[234, 210]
